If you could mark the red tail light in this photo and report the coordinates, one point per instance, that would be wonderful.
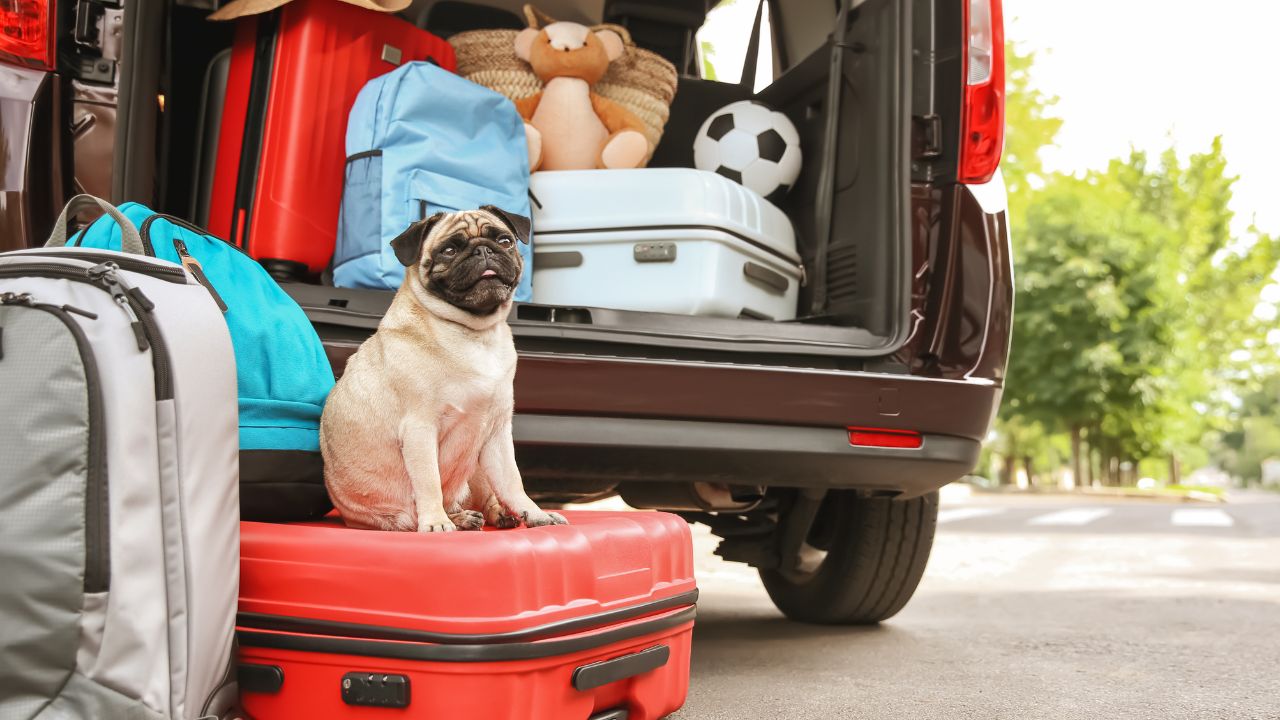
(884, 438)
(26, 32)
(982, 129)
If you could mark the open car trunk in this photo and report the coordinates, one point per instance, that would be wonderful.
(843, 76)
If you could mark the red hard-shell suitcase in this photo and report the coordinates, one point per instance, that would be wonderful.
(294, 74)
(588, 620)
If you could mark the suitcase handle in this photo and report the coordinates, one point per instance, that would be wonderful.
(130, 240)
(589, 677)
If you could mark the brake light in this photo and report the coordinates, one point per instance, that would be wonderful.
(982, 128)
(26, 32)
(884, 438)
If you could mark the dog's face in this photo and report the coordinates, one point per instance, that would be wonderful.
(469, 259)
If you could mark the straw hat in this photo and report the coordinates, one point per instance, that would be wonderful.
(240, 8)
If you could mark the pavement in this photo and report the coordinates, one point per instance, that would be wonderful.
(1031, 607)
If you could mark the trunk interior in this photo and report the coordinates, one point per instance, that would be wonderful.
(844, 77)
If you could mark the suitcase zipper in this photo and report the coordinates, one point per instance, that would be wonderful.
(136, 306)
(97, 566)
(193, 266)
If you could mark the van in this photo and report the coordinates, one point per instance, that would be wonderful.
(814, 447)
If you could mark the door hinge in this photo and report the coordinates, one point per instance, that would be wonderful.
(91, 58)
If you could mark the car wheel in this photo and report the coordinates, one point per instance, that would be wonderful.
(860, 562)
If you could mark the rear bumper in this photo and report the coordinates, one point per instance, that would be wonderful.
(552, 450)
(586, 423)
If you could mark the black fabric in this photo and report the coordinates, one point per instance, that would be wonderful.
(449, 18)
(666, 27)
(282, 486)
(748, 77)
(695, 101)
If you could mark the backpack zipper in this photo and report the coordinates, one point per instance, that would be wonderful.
(97, 565)
(159, 272)
(132, 301)
(104, 275)
(145, 232)
(193, 266)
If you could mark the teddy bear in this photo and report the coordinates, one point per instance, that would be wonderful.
(568, 126)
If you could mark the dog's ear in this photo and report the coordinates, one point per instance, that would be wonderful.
(518, 224)
(408, 244)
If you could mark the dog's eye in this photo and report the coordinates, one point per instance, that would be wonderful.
(505, 240)
(449, 251)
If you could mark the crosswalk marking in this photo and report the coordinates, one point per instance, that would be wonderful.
(1201, 517)
(947, 515)
(1076, 516)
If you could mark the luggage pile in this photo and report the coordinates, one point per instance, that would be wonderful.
(165, 532)
(121, 350)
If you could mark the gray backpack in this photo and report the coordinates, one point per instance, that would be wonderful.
(119, 522)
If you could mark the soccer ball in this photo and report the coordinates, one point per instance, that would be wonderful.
(751, 144)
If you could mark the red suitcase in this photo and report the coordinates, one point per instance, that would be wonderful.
(588, 620)
(281, 147)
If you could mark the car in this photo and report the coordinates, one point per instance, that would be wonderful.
(815, 448)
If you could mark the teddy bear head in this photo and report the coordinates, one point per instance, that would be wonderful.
(567, 49)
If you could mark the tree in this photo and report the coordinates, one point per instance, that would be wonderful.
(1132, 294)
(1029, 126)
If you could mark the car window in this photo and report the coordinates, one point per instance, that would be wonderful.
(723, 39)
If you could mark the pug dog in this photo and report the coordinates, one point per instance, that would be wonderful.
(416, 434)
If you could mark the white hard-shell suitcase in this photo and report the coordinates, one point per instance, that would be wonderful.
(670, 240)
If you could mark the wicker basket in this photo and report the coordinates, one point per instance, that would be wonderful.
(639, 81)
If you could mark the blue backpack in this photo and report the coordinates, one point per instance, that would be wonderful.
(283, 375)
(421, 140)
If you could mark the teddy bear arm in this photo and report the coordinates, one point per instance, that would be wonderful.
(527, 106)
(615, 117)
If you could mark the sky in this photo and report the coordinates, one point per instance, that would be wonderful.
(1141, 73)
(1147, 73)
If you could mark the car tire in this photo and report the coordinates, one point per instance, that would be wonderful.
(861, 561)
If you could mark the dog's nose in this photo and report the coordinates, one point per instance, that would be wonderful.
(483, 251)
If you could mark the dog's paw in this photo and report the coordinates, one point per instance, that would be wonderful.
(467, 519)
(541, 519)
(506, 521)
(446, 526)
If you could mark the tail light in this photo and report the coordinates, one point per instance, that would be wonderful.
(884, 438)
(982, 129)
(26, 32)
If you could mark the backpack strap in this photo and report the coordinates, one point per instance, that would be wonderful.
(130, 240)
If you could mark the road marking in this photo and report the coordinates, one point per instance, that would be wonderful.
(1077, 516)
(947, 515)
(1201, 517)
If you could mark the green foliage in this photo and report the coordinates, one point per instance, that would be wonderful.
(1132, 293)
(1029, 126)
(708, 60)
(1242, 449)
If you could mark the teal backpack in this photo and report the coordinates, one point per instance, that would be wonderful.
(283, 375)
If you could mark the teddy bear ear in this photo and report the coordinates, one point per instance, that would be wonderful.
(524, 43)
(613, 45)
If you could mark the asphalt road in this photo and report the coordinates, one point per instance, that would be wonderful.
(1030, 608)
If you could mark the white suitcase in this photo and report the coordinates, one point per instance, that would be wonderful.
(670, 240)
